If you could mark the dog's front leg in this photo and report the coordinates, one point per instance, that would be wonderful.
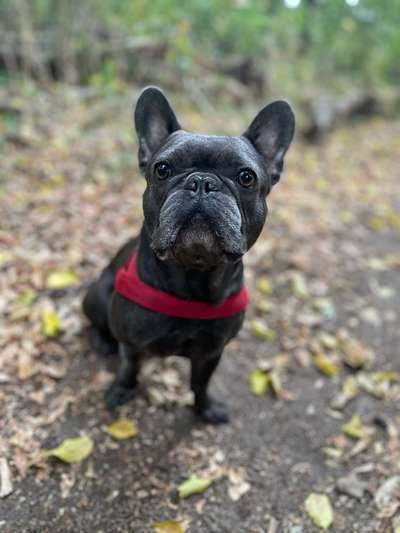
(121, 390)
(209, 410)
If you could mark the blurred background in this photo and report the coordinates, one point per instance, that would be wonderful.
(336, 58)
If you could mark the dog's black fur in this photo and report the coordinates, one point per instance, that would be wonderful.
(204, 207)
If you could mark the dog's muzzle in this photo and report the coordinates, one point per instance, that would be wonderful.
(200, 224)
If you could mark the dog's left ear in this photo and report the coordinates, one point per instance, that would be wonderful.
(154, 122)
(271, 133)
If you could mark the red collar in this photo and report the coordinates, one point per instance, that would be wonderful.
(129, 284)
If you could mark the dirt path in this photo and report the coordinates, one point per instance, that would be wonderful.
(326, 270)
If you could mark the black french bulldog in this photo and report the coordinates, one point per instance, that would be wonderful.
(204, 207)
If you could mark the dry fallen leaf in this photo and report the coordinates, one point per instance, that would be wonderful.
(27, 367)
(72, 450)
(259, 381)
(276, 386)
(382, 291)
(51, 323)
(27, 297)
(387, 497)
(332, 453)
(169, 526)
(348, 392)
(350, 387)
(264, 306)
(122, 429)
(354, 427)
(61, 279)
(319, 509)
(6, 487)
(238, 485)
(377, 383)
(355, 354)
(385, 375)
(325, 364)
(299, 286)
(264, 285)
(261, 331)
(194, 485)
(5, 257)
(328, 341)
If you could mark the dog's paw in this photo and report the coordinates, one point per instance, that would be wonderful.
(214, 412)
(117, 395)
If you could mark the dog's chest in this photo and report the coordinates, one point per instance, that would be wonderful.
(186, 346)
(161, 335)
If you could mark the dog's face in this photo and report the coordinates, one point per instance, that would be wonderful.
(205, 201)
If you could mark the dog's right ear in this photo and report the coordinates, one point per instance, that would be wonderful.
(154, 122)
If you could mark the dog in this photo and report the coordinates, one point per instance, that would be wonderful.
(177, 288)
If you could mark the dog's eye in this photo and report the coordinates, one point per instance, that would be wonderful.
(246, 178)
(162, 170)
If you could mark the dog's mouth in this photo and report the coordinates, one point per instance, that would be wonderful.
(197, 246)
(197, 235)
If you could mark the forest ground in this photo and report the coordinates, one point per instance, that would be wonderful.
(324, 279)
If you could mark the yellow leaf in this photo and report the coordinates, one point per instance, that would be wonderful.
(377, 223)
(265, 286)
(350, 387)
(321, 183)
(122, 429)
(319, 509)
(355, 354)
(354, 427)
(51, 323)
(168, 526)
(261, 331)
(193, 485)
(264, 306)
(61, 279)
(385, 375)
(276, 385)
(299, 286)
(325, 364)
(328, 341)
(259, 381)
(72, 450)
(333, 453)
(5, 257)
(346, 217)
(378, 389)
(27, 297)
(348, 392)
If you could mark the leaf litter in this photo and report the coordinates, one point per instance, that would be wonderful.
(73, 450)
(304, 301)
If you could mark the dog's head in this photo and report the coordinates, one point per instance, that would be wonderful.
(205, 201)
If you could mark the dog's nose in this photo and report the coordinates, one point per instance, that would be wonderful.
(201, 183)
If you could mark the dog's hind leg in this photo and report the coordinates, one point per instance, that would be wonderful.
(95, 307)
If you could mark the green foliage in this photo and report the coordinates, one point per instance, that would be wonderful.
(91, 41)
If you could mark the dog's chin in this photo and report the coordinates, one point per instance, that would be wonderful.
(197, 247)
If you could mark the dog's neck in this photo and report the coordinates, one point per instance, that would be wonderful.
(212, 286)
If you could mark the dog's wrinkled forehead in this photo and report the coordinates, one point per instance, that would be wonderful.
(263, 144)
(208, 152)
